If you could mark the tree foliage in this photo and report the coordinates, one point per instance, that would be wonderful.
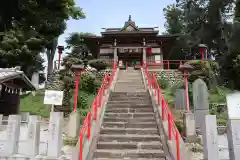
(215, 23)
(30, 27)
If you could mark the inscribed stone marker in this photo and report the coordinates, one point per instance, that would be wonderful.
(180, 99)
(55, 134)
(200, 102)
(233, 131)
(210, 138)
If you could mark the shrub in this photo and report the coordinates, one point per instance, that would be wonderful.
(179, 125)
(163, 83)
(206, 70)
(88, 82)
(82, 101)
(98, 64)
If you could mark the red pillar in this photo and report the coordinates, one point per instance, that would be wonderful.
(77, 74)
(60, 49)
(186, 90)
(59, 58)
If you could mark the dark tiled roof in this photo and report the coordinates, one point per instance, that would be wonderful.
(134, 29)
(7, 74)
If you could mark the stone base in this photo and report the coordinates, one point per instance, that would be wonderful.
(73, 124)
(189, 125)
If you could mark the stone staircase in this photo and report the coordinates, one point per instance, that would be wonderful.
(129, 129)
(130, 80)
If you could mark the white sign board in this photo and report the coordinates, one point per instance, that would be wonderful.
(233, 104)
(53, 97)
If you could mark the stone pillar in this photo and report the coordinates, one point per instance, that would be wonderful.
(24, 117)
(1, 116)
(74, 124)
(210, 138)
(189, 125)
(144, 55)
(200, 101)
(33, 136)
(35, 80)
(233, 135)
(55, 134)
(144, 51)
(10, 147)
(115, 55)
(115, 51)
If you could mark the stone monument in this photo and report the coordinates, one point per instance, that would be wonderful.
(200, 102)
(233, 130)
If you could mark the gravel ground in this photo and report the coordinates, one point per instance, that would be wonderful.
(198, 149)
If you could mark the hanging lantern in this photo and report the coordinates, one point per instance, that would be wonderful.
(149, 51)
(202, 50)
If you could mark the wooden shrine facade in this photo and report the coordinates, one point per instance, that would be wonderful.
(12, 83)
(130, 44)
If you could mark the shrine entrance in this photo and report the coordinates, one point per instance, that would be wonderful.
(130, 59)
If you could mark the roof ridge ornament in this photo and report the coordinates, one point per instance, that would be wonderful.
(130, 18)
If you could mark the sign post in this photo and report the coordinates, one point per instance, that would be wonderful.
(233, 130)
(53, 97)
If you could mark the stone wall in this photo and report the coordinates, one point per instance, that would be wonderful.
(172, 76)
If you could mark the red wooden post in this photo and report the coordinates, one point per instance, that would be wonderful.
(177, 146)
(60, 49)
(168, 63)
(95, 109)
(89, 125)
(186, 91)
(76, 91)
(81, 147)
(163, 109)
(169, 127)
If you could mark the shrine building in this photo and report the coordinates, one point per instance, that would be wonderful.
(131, 44)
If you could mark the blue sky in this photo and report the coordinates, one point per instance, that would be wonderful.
(113, 13)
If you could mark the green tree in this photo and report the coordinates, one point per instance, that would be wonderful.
(40, 21)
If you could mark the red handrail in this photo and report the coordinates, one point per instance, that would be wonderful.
(96, 105)
(172, 129)
(165, 64)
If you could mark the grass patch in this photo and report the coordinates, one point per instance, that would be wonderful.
(34, 104)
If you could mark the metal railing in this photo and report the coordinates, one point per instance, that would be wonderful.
(166, 64)
(96, 107)
(173, 133)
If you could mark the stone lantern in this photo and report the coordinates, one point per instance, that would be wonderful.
(77, 69)
(202, 50)
(186, 69)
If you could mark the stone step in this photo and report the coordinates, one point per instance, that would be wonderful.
(129, 94)
(129, 115)
(129, 138)
(128, 110)
(129, 86)
(133, 101)
(100, 153)
(124, 89)
(123, 98)
(130, 83)
(143, 102)
(132, 106)
(120, 119)
(129, 145)
(129, 159)
(129, 125)
(123, 131)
